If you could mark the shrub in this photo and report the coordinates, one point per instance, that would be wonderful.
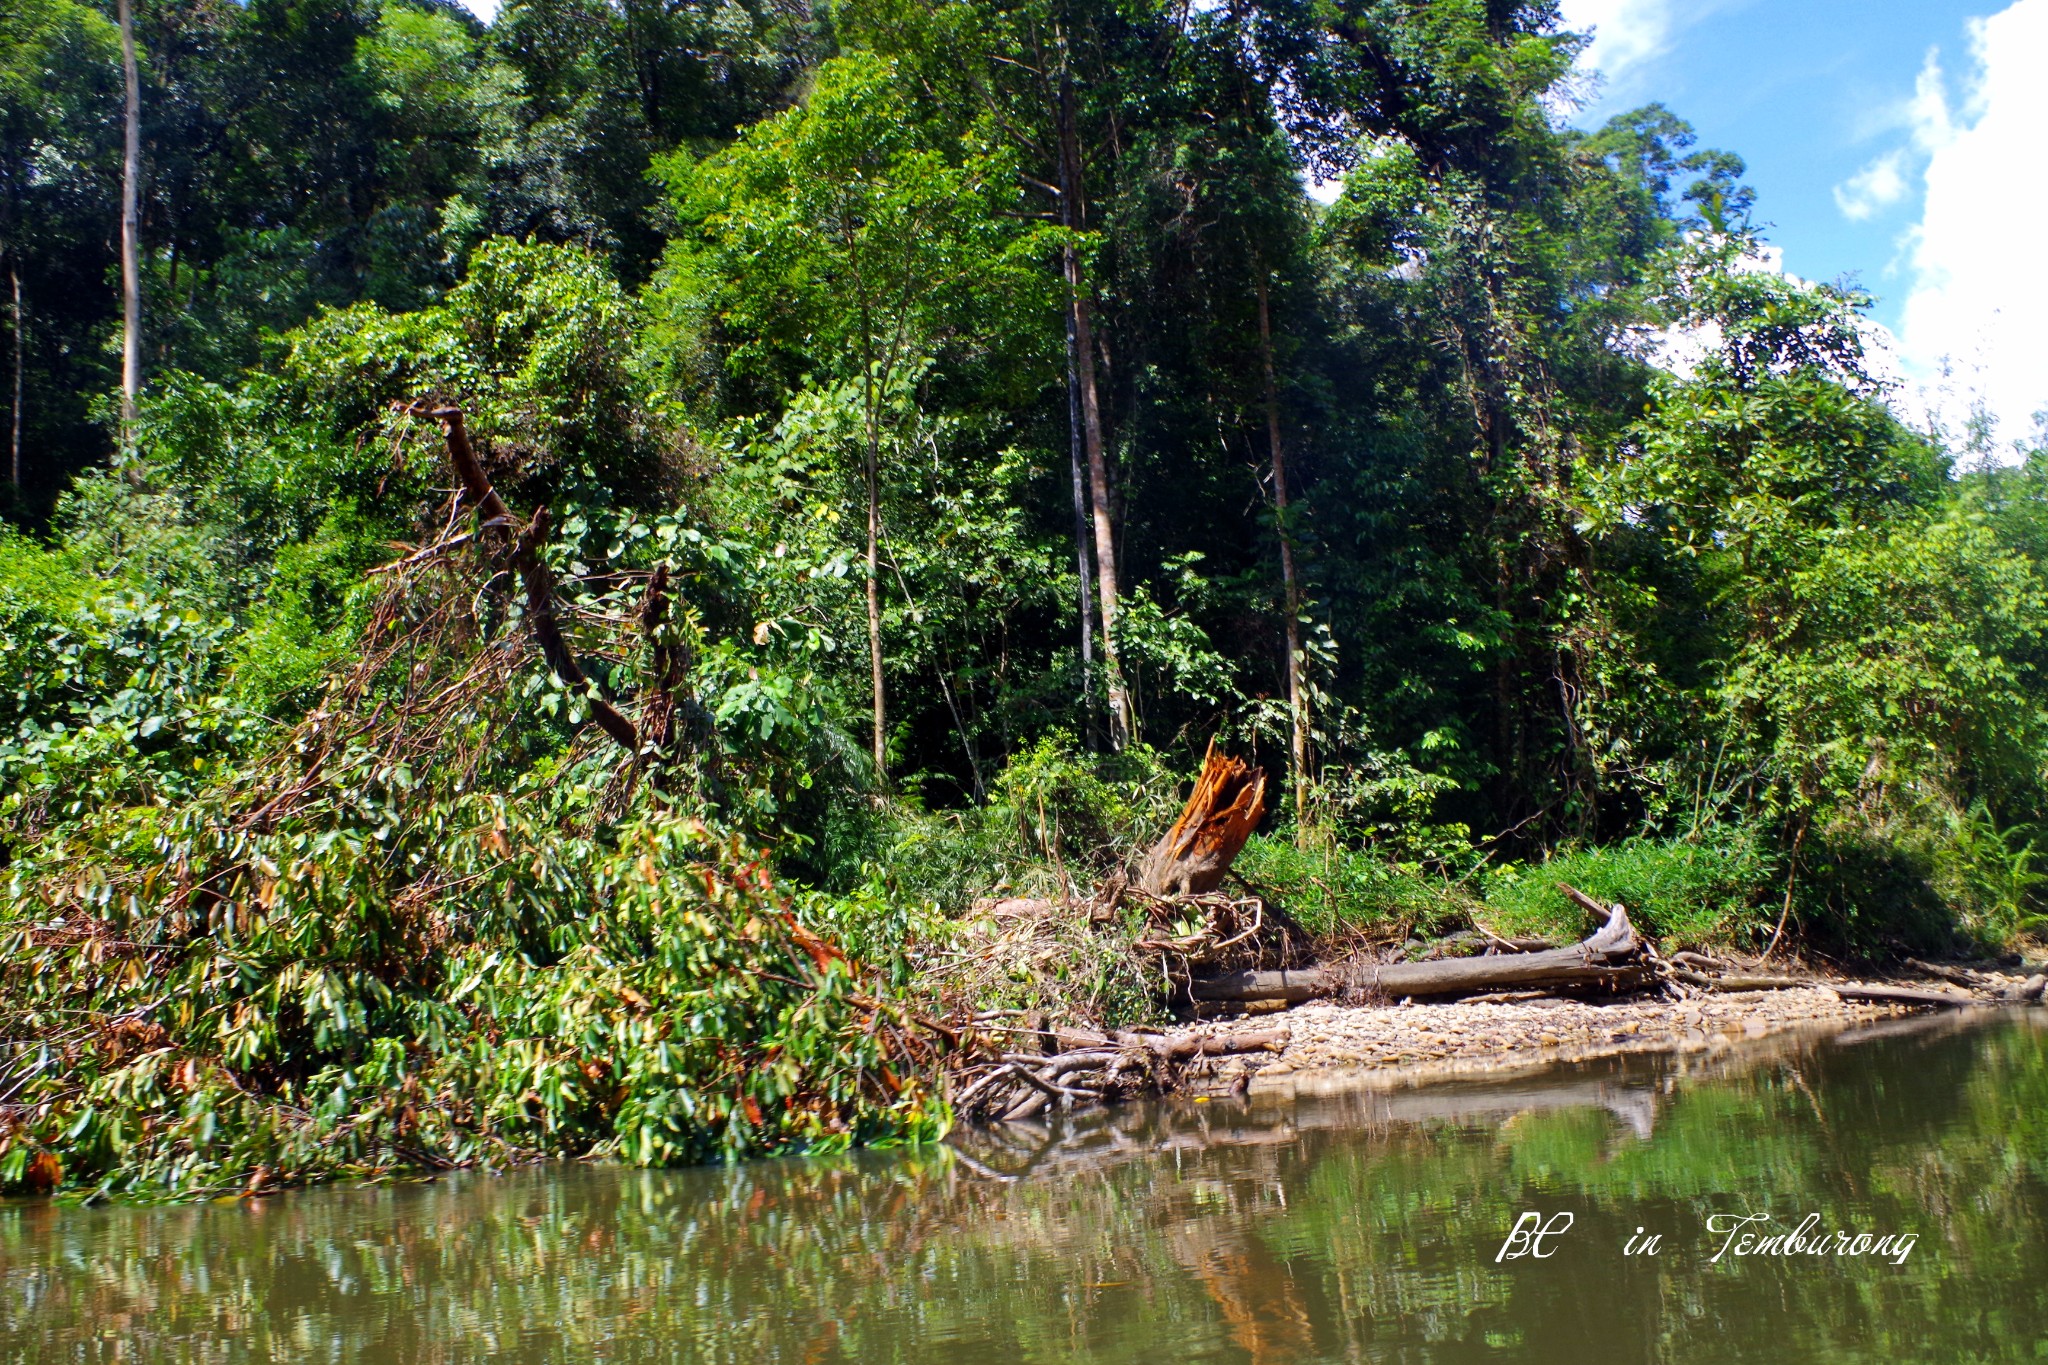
(1687, 892)
(216, 1008)
(1085, 810)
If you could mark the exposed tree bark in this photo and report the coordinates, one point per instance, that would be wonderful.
(1297, 699)
(1074, 215)
(874, 594)
(1610, 959)
(496, 522)
(1221, 813)
(131, 264)
(14, 440)
(1086, 577)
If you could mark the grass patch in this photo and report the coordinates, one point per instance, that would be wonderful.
(1335, 892)
(1686, 892)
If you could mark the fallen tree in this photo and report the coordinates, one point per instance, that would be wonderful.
(1190, 924)
(1611, 959)
(1901, 995)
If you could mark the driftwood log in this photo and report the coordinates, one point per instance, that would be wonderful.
(1222, 812)
(1732, 984)
(1611, 959)
(1901, 995)
(1090, 1067)
(1727, 982)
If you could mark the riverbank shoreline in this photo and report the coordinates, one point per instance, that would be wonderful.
(1672, 1008)
(1479, 1038)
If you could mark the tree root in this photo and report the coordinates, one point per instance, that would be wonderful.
(1093, 1068)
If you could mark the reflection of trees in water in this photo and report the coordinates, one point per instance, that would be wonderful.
(1350, 1225)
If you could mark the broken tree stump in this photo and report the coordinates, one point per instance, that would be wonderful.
(1221, 813)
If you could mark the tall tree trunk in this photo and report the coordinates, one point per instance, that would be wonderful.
(1086, 577)
(871, 396)
(1091, 418)
(131, 266)
(1290, 585)
(14, 442)
(875, 599)
(1120, 719)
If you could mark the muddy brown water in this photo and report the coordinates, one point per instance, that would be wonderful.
(1332, 1223)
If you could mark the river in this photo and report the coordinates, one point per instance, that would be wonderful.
(1322, 1223)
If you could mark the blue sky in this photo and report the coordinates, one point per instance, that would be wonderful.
(1808, 92)
(1896, 141)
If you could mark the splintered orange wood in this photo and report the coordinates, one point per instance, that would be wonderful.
(1228, 799)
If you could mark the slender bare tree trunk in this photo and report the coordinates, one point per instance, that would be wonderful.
(871, 397)
(1091, 421)
(131, 266)
(1098, 489)
(14, 442)
(1290, 586)
(1086, 577)
(875, 599)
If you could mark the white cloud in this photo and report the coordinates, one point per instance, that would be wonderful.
(1926, 114)
(1876, 187)
(1325, 192)
(1680, 349)
(1626, 33)
(1628, 38)
(486, 10)
(1972, 326)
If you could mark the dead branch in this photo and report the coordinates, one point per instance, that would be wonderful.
(1736, 984)
(1961, 976)
(439, 547)
(496, 522)
(1095, 1067)
(1586, 901)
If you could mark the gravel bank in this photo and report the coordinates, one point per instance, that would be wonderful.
(1476, 1036)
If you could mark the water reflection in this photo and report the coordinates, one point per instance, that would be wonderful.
(1309, 1226)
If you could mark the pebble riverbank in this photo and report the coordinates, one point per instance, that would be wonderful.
(1476, 1035)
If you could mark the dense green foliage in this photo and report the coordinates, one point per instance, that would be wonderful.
(820, 337)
